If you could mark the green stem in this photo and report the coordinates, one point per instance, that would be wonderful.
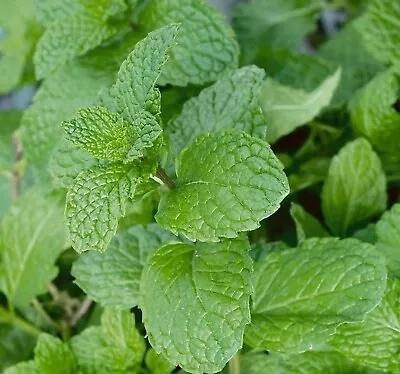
(234, 364)
(18, 322)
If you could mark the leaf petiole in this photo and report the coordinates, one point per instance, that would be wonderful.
(11, 318)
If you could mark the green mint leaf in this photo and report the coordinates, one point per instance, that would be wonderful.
(286, 108)
(135, 88)
(388, 235)
(96, 201)
(120, 267)
(355, 188)
(261, 250)
(74, 35)
(53, 356)
(379, 27)
(206, 328)
(15, 346)
(277, 22)
(18, 36)
(27, 367)
(33, 232)
(306, 225)
(106, 135)
(68, 89)
(232, 102)
(346, 49)
(375, 341)
(205, 47)
(119, 328)
(157, 364)
(372, 112)
(66, 162)
(227, 183)
(335, 281)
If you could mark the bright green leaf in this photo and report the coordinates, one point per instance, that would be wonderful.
(157, 363)
(53, 356)
(120, 267)
(373, 115)
(375, 341)
(227, 183)
(120, 330)
(195, 302)
(33, 236)
(286, 108)
(355, 188)
(388, 233)
(108, 136)
(302, 295)
(232, 102)
(380, 27)
(205, 47)
(96, 201)
(307, 226)
(135, 88)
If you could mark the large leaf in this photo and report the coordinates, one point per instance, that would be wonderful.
(33, 236)
(286, 108)
(302, 295)
(195, 302)
(232, 102)
(227, 183)
(355, 188)
(205, 47)
(375, 341)
(120, 267)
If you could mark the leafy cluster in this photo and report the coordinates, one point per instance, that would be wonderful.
(186, 196)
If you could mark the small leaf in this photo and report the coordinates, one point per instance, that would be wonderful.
(33, 232)
(120, 267)
(96, 201)
(205, 47)
(373, 115)
(231, 103)
(355, 189)
(227, 183)
(201, 328)
(286, 108)
(53, 356)
(303, 294)
(135, 89)
(74, 35)
(157, 363)
(306, 225)
(119, 329)
(375, 341)
(388, 233)
(379, 27)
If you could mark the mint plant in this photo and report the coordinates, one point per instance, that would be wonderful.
(182, 195)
